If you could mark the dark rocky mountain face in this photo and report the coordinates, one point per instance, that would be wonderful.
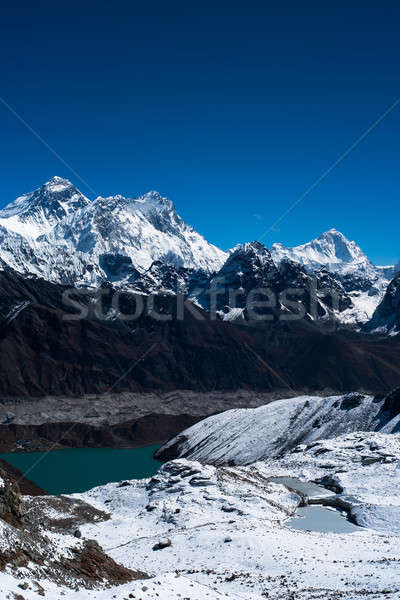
(17, 291)
(391, 405)
(250, 277)
(170, 345)
(386, 318)
(161, 277)
(117, 267)
(248, 268)
(320, 293)
(332, 290)
(358, 282)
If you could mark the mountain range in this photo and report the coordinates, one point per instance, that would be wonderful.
(142, 244)
(54, 240)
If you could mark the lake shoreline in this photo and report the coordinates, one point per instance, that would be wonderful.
(80, 469)
(61, 447)
(120, 420)
(26, 485)
(148, 430)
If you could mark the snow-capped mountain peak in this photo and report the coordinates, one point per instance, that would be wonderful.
(55, 232)
(365, 282)
(159, 210)
(249, 266)
(154, 198)
(331, 249)
(36, 213)
(249, 256)
(138, 231)
(57, 184)
(340, 248)
(256, 248)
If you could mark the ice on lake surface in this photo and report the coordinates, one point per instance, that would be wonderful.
(312, 490)
(315, 518)
(321, 519)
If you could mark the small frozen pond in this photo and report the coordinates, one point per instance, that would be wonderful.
(313, 517)
(312, 490)
(322, 519)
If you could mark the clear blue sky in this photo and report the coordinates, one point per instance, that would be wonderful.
(230, 109)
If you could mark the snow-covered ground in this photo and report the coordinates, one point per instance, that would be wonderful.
(363, 468)
(204, 532)
(363, 305)
(165, 587)
(245, 435)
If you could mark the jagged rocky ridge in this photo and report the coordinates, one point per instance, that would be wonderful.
(250, 276)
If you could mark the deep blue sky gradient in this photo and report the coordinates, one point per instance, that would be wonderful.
(230, 109)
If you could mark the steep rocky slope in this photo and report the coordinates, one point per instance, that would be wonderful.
(386, 318)
(43, 351)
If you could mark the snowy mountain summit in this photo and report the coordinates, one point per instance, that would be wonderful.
(144, 229)
(57, 233)
(365, 282)
(331, 249)
(37, 212)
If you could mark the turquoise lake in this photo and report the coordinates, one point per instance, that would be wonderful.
(79, 469)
